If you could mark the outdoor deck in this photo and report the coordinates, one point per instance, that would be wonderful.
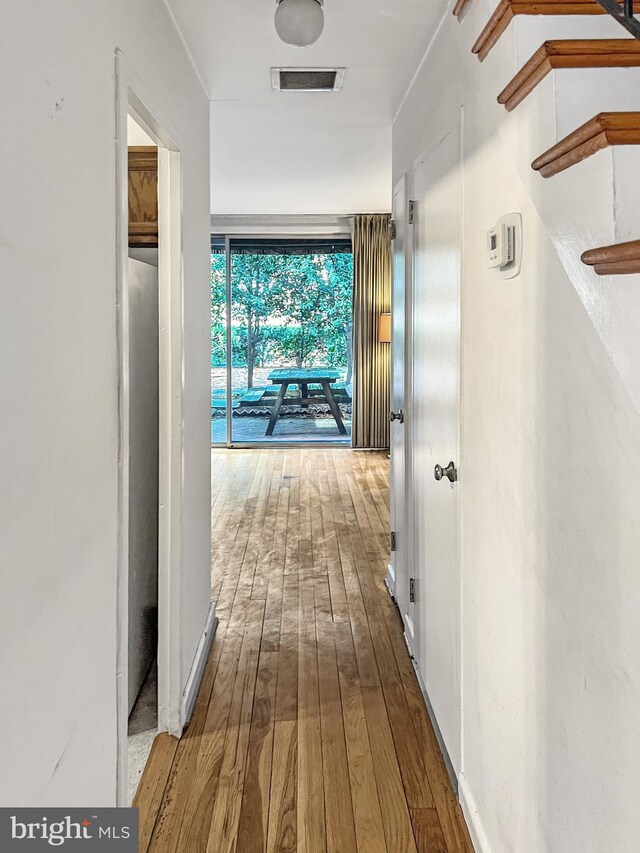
(306, 415)
(292, 428)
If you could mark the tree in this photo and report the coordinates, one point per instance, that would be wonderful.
(291, 307)
(321, 302)
(255, 280)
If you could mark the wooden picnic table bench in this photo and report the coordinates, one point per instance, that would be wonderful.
(305, 376)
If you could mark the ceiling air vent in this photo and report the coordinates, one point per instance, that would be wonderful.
(307, 79)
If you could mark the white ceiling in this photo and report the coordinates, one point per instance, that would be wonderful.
(283, 152)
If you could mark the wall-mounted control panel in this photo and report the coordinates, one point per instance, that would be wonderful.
(504, 245)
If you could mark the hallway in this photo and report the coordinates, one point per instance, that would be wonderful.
(310, 732)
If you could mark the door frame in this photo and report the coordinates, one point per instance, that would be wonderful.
(408, 392)
(411, 243)
(397, 574)
(133, 98)
(230, 444)
(407, 570)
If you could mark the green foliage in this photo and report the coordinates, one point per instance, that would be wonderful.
(219, 346)
(286, 309)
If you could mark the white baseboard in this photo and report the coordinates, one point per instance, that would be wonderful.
(434, 722)
(197, 667)
(472, 817)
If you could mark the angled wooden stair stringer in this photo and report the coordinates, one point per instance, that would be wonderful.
(507, 10)
(600, 132)
(569, 53)
(619, 259)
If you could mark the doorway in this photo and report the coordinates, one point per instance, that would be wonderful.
(435, 407)
(281, 340)
(143, 450)
(150, 355)
(424, 572)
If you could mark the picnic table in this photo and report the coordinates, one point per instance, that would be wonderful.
(323, 376)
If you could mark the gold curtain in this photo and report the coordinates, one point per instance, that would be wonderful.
(371, 359)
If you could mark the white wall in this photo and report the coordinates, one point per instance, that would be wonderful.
(550, 467)
(282, 225)
(306, 155)
(58, 415)
(136, 135)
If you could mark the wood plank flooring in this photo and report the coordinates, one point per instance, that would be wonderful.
(309, 733)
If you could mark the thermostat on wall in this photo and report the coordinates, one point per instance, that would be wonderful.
(504, 245)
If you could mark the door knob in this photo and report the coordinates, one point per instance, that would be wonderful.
(450, 472)
(397, 416)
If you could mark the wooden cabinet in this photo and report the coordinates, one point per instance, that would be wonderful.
(143, 196)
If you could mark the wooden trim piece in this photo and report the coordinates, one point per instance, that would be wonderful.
(460, 7)
(143, 157)
(143, 235)
(619, 259)
(619, 268)
(497, 24)
(539, 59)
(600, 132)
(629, 251)
(141, 229)
(145, 241)
(569, 53)
(508, 9)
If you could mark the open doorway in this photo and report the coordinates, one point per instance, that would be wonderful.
(149, 298)
(281, 340)
(144, 461)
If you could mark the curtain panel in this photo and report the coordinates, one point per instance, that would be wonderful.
(372, 359)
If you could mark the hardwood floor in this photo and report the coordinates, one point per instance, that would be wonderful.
(310, 732)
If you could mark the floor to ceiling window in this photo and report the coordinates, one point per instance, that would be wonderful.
(281, 340)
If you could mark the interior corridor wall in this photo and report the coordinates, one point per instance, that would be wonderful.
(549, 472)
(58, 381)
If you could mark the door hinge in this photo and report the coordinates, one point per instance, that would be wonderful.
(393, 540)
(412, 213)
(393, 231)
(412, 590)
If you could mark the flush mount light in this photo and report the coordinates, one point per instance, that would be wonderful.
(299, 22)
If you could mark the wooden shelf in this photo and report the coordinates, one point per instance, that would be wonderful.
(619, 259)
(508, 9)
(571, 53)
(599, 132)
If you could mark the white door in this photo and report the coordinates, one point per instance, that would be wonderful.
(435, 417)
(397, 577)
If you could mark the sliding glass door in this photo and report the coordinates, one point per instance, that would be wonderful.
(281, 330)
(219, 354)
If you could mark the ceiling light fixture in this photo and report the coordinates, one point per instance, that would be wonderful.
(299, 22)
